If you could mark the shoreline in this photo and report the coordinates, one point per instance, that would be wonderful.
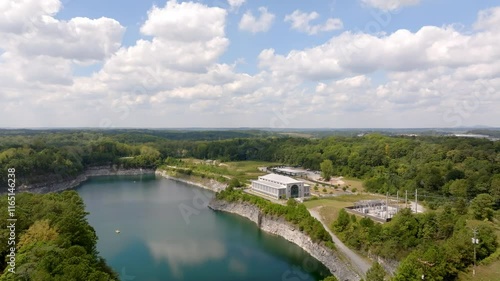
(278, 226)
(208, 184)
(75, 182)
(99, 171)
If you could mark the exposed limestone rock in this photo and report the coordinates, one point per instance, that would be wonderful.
(209, 184)
(390, 266)
(279, 226)
(72, 183)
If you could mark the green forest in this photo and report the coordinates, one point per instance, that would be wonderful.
(458, 168)
(54, 242)
(458, 179)
(436, 244)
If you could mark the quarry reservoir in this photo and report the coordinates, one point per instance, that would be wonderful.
(167, 232)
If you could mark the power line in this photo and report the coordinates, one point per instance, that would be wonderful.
(475, 241)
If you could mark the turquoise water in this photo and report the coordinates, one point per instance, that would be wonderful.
(168, 233)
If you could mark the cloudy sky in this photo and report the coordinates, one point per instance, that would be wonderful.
(249, 63)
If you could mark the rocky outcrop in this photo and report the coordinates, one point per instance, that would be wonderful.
(205, 183)
(61, 185)
(280, 227)
(389, 265)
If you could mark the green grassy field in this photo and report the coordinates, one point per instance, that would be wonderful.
(248, 170)
(489, 272)
(354, 183)
(332, 205)
(242, 170)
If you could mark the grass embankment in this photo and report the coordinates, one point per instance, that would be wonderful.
(490, 272)
(292, 212)
(354, 184)
(248, 170)
(332, 205)
(489, 268)
(337, 186)
(243, 171)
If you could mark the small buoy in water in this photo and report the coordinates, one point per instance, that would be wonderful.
(117, 231)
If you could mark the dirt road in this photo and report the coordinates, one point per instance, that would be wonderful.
(359, 263)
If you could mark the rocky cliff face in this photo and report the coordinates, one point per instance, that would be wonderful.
(72, 183)
(209, 184)
(390, 266)
(279, 226)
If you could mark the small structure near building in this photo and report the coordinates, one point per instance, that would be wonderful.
(289, 171)
(279, 186)
(378, 210)
(211, 162)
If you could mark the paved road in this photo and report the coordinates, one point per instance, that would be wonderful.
(360, 263)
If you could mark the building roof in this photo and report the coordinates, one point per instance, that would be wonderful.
(270, 184)
(290, 171)
(279, 178)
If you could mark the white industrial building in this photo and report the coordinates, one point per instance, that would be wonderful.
(289, 171)
(278, 186)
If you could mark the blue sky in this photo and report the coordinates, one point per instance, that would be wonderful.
(254, 63)
(354, 15)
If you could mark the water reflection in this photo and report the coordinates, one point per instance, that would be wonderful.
(156, 244)
(237, 266)
(182, 253)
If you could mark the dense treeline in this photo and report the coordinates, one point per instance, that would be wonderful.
(449, 166)
(293, 212)
(458, 167)
(466, 170)
(49, 159)
(444, 165)
(139, 134)
(54, 240)
(436, 243)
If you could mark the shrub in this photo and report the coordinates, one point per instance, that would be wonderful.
(234, 182)
(293, 212)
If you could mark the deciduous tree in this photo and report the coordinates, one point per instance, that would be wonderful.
(326, 169)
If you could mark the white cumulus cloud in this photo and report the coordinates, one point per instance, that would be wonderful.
(431, 76)
(253, 24)
(235, 4)
(301, 21)
(185, 22)
(29, 28)
(40, 51)
(390, 5)
(488, 19)
(400, 51)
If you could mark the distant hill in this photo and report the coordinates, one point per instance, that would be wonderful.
(151, 134)
(495, 132)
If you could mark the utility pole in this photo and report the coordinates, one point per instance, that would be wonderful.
(397, 201)
(416, 201)
(475, 241)
(386, 206)
(406, 198)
